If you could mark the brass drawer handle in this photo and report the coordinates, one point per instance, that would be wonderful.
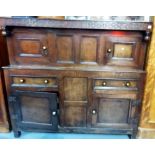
(46, 81)
(127, 84)
(104, 83)
(21, 80)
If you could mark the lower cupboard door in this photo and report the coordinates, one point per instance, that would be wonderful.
(35, 110)
(111, 113)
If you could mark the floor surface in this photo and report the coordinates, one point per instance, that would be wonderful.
(31, 135)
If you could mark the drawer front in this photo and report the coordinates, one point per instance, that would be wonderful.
(22, 81)
(112, 83)
(118, 88)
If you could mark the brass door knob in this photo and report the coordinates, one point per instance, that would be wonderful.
(44, 48)
(54, 113)
(44, 51)
(127, 84)
(94, 112)
(4, 33)
(104, 83)
(109, 50)
(21, 80)
(46, 81)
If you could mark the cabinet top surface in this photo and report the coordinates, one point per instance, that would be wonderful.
(75, 24)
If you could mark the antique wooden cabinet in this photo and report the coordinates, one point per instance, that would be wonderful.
(75, 76)
(4, 125)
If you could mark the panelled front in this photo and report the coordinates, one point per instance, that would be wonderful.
(34, 110)
(29, 46)
(125, 49)
(73, 47)
(84, 101)
(75, 101)
(115, 102)
(96, 74)
(113, 113)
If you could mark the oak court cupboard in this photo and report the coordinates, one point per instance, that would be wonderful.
(75, 76)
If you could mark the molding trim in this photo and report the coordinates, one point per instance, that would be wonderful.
(145, 133)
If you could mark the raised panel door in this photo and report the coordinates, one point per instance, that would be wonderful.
(125, 49)
(29, 46)
(34, 110)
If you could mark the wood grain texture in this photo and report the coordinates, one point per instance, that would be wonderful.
(4, 124)
(76, 53)
(146, 133)
(88, 51)
(123, 51)
(148, 109)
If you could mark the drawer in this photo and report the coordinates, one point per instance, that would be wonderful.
(115, 84)
(118, 88)
(22, 81)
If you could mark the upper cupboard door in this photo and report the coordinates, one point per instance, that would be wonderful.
(125, 49)
(29, 46)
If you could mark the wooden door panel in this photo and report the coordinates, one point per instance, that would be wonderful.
(29, 47)
(75, 116)
(110, 112)
(36, 110)
(65, 51)
(75, 89)
(125, 50)
(75, 101)
(88, 50)
(113, 111)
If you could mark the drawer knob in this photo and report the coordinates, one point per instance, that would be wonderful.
(46, 81)
(109, 50)
(94, 112)
(21, 80)
(127, 84)
(104, 83)
(54, 113)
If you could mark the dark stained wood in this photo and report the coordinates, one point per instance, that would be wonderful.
(94, 68)
(76, 47)
(34, 110)
(111, 25)
(65, 49)
(110, 112)
(4, 124)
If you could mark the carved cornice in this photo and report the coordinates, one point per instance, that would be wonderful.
(75, 24)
